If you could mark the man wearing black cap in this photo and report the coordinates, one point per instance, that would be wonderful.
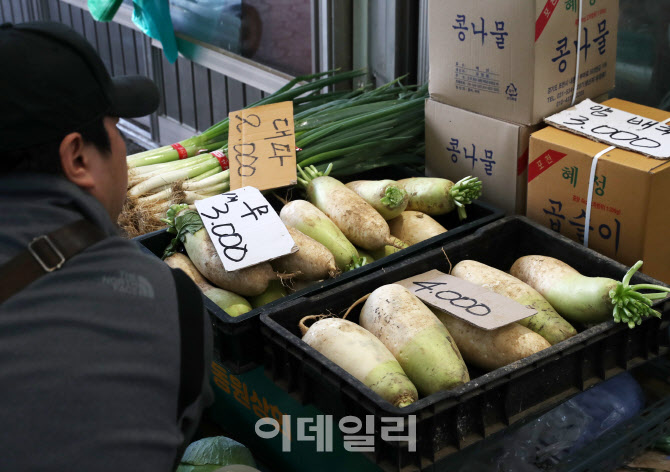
(104, 351)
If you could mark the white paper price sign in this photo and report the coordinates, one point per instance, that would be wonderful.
(618, 128)
(465, 300)
(244, 228)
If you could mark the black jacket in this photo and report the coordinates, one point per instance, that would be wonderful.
(90, 356)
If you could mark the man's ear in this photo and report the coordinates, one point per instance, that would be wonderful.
(75, 161)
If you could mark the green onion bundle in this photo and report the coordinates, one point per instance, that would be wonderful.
(355, 130)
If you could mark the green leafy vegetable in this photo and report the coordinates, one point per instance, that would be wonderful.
(187, 222)
(171, 214)
(217, 450)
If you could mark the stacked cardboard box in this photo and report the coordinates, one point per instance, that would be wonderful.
(496, 70)
(631, 192)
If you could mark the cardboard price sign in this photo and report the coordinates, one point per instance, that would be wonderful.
(616, 127)
(467, 301)
(261, 147)
(244, 228)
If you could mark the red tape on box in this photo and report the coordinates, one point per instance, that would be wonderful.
(544, 162)
(542, 21)
(522, 163)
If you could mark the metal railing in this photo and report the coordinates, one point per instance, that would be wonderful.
(206, 83)
(198, 90)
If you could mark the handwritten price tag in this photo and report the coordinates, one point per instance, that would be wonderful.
(261, 147)
(472, 303)
(244, 228)
(618, 128)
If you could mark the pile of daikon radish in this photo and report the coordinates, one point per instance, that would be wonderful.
(402, 348)
(337, 228)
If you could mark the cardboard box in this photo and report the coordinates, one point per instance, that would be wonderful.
(631, 198)
(516, 59)
(461, 143)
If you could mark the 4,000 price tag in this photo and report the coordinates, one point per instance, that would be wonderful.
(244, 228)
(472, 303)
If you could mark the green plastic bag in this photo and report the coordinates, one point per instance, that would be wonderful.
(103, 10)
(153, 18)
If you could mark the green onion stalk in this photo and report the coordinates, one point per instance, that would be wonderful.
(211, 138)
(363, 131)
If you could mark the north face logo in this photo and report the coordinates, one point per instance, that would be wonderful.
(129, 284)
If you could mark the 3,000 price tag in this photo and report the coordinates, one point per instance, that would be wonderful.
(472, 303)
(616, 127)
(244, 228)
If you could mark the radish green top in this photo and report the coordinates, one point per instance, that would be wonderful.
(588, 299)
(464, 192)
(393, 197)
(180, 224)
(438, 196)
(630, 306)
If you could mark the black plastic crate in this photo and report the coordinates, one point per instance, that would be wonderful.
(237, 341)
(451, 420)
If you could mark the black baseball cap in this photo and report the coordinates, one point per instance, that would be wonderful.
(53, 82)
